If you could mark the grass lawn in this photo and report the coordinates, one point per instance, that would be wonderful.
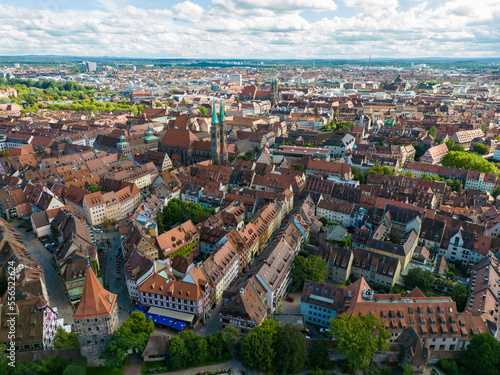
(105, 371)
(152, 364)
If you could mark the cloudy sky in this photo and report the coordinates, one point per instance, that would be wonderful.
(251, 28)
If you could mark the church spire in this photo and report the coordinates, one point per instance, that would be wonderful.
(214, 115)
(222, 118)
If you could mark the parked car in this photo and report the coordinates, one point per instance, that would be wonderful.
(56, 310)
(324, 331)
(29, 230)
(290, 299)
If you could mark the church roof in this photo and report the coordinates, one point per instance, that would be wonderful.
(95, 301)
(222, 118)
(214, 115)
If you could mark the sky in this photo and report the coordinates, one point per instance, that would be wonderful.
(251, 29)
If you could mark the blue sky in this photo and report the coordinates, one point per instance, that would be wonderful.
(251, 28)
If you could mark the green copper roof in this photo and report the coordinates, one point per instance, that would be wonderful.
(122, 140)
(222, 118)
(214, 115)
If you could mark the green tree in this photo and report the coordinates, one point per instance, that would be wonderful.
(93, 188)
(299, 167)
(432, 132)
(133, 334)
(452, 146)
(4, 154)
(310, 268)
(378, 169)
(459, 294)
(496, 192)
(78, 366)
(319, 357)
(481, 149)
(482, 355)
(177, 354)
(229, 337)
(470, 161)
(358, 174)
(345, 125)
(416, 277)
(258, 346)
(291, 353)
(419, 150)
(65, 340)
(203, 110)
(359, 337)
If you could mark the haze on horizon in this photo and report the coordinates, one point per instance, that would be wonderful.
(242, 29)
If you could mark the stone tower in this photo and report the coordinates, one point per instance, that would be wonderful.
(214, 136)
(223, 135)
(96, 318)
(151, 140)
(123, 147)
(274, 92)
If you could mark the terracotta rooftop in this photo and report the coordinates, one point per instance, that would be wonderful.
(95, 301)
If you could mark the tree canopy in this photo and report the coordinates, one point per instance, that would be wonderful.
(189, 350)
(262, 350)
(482, 355)
(416, 277)
(432, 132)
(178, 211)
(378, 169)
(203, 110)
(481, 149)
(452, 146)
(459, 294)
(258, 346)
(65, 340)
(359, 337)
(133, 334)
(310, 268)
(470, 161)
(291, 353)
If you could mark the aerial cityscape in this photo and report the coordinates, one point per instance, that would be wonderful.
(250, 187)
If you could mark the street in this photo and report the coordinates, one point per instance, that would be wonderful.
(109, 271)
(55, 288)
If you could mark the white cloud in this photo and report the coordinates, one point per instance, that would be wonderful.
(188, 11)
(277, 5)
(256, 29)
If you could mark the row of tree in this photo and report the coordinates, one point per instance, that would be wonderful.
(189, 350)
(469, 161)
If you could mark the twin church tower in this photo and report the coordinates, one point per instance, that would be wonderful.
(218, 133)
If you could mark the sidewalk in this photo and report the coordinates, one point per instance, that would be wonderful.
(233, 363)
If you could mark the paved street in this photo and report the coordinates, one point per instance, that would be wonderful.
(114, 285)
(53, 282)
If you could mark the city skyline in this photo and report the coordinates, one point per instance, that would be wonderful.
(242, 29)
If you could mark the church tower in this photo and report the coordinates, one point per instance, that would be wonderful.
(223, 135)
(274, 92)
(151, 140)
(96, 318)
(214, 136)
(123, 147)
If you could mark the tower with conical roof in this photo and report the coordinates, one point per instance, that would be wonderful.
(96, 318)
(223, 135)
(214, 136)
